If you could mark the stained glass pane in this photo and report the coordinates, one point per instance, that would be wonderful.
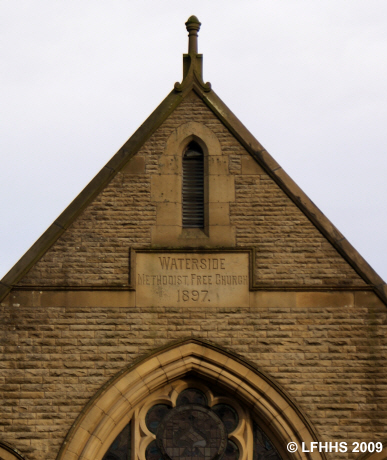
(192, 432)
(155, 415)
(152, 452)
(232, 451)
(263, 448)
(228, 415)
(120, 447)
(191, 396)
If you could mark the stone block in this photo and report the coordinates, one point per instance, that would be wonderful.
(222, 236)
(325, 299)
(250, 166)
(76, 446)
(166, 235)
(88, 298)
(172, 355)
(217, 165)
(136, 165)
(221, 189)
(170, 164)
(92, 447)
(272, 299)
(166, 188)
(368, 299)
(5, 455)
(169, 214)
(218, 214)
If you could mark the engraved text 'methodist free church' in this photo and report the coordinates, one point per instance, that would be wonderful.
(189, 279)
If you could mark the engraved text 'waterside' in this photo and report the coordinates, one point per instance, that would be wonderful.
(186, 279)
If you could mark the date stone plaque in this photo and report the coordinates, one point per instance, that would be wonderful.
(213, 279)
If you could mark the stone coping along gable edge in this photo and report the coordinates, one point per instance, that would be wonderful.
(130, 148)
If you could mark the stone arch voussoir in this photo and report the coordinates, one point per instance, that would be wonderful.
(9, 453)
(112, 407)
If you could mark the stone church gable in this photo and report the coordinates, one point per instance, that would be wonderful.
(263, 309)
(94, 250)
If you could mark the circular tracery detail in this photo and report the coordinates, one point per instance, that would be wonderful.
(155, 415)
(228, 415)
(191, 396)
(192, 430)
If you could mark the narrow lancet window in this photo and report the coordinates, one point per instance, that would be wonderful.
(193, 187)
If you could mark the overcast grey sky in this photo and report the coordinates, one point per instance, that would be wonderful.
(307, 78)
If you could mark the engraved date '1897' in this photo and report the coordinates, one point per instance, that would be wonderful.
(194, 295)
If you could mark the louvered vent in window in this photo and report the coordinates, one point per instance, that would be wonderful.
(193, 187)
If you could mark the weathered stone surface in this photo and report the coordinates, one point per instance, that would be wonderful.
(331, 360)
(60, 346)
(250, 209)
(205, 279)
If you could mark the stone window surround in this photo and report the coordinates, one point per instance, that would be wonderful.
(141, 437)
(219, 191)
(116, 403)
(9, 453)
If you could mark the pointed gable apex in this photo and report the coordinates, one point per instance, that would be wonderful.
(193, 82)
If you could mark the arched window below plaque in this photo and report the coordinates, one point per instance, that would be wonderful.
(190, 420)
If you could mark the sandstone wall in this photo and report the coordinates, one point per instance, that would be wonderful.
(94, 250)
(331, 360)
(58, 346)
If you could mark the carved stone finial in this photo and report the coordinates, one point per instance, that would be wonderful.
(193, 27)
(192, 62)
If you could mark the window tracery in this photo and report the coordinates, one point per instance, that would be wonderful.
(188, 420)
